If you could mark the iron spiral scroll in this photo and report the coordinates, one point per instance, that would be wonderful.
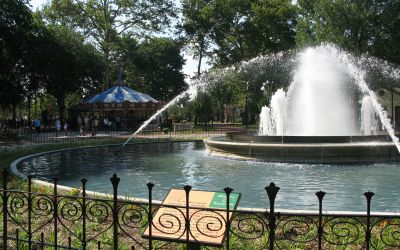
(207, 223)
(80, 221)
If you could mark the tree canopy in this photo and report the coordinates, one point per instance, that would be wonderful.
(358, 26)
(70, 49)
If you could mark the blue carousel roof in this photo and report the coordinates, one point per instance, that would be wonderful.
(120, 94)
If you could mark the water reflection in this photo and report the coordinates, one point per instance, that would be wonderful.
(172, 165)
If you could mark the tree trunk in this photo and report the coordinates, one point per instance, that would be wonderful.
(200, 56)
(106, 71)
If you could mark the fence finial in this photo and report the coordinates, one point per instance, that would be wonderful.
(150, 185)
(320, 195)
(55, 179)
(115, 180)
(228, 190)
(272, 191)
(369, 195)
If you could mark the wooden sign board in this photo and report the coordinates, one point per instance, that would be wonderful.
(206, 227)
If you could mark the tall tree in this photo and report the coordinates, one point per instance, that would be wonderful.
(222, 94)
(104, 21)
(16, 28)
(202, 108)
(153, 66)
(359, 26)
(197, 25)
(246, 28)
(66, 64)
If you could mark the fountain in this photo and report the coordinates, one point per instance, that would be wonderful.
(316, 120)
(327, 114)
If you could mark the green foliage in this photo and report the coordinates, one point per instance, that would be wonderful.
(358, 26)
(103, 22)
(153, 66)
(197, 26)
(65, 63)
(245, 29)
(16, 26)
(202, 108)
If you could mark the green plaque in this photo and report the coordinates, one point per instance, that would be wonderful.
(219, 200)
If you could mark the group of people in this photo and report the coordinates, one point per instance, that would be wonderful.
(37, 123)
(88, 124)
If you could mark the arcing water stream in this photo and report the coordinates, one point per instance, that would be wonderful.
(316, 102)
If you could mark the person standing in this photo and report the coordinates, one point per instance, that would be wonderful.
(37, 125)
(66, 129)
(79, 124)
(58, 126)
(94, 125)
(86, 119)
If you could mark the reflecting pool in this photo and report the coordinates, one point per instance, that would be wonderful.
(173, 165)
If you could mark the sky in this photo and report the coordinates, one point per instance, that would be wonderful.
(189, 69)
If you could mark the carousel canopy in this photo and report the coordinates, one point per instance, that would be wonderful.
(119, 94)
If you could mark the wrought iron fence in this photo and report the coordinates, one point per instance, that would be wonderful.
(40, 219)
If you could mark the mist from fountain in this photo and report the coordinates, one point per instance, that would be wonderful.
(369, 123)
(213, 77)
(278, 111)
(318, 102)
(300, 109)
(265, 127)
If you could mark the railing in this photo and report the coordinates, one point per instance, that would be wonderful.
(25, 137)
(52, 219)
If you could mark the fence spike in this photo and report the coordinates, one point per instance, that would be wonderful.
(5, 211)
(55, 201)
(272, 191)
(150, 214)
(228, 192)
(320, 195)
(187, 189)
(115, 181)
(84, 181)
(368, 195)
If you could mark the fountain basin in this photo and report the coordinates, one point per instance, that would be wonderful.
(303, 149)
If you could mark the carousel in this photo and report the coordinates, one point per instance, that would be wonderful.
(118, 107)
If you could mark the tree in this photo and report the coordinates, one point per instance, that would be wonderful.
(66, 64)
(202, 108)
(197, 25)
(153, 66)
(16, 25)
(222, 93)
(358, 26)
(247, 28)
(104, 21)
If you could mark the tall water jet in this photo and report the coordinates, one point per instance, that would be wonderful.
(320, 120)
(265, 127)
(369, 123)
(278, 111)
(319, 104)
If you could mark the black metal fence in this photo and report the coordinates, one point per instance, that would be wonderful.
(50, 219)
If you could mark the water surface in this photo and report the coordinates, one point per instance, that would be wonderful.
(173, 165)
